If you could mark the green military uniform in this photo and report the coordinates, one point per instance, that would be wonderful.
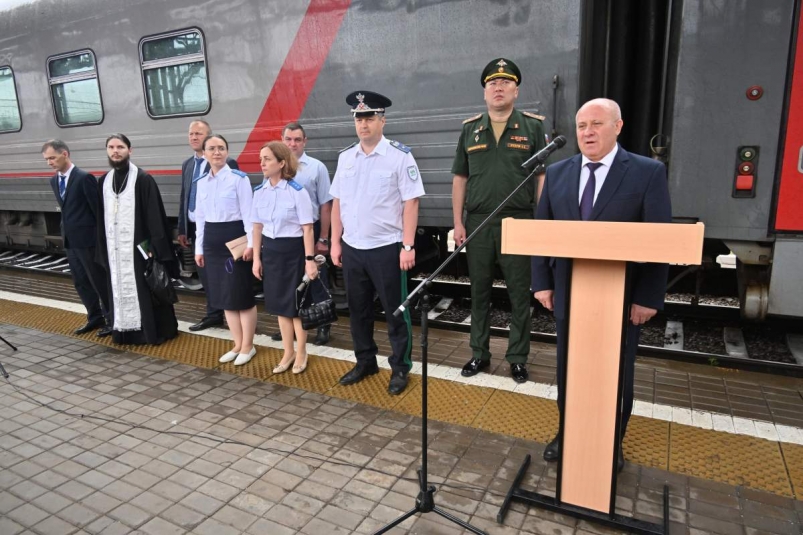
(494, 170)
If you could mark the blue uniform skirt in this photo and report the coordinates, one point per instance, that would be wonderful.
(282, 271)
(230, 283)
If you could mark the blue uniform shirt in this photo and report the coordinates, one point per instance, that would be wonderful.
(282, 209)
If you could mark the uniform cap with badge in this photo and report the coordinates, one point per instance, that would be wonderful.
(501, 68)
(364, 103)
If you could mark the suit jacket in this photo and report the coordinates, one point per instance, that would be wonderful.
(635, 190)
(79, 209)
(186, 181)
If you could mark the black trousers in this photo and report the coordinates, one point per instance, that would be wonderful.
(89, 279)
(633, 333)
(377, 270)
(317, 291)
(211, 312)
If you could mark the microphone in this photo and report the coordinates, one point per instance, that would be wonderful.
(543, 154)
(319, 260)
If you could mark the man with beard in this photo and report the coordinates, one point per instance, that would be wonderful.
(132, 223)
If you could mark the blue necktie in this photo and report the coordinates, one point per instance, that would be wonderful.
(195, 174)
(587, 200)
(62, 185)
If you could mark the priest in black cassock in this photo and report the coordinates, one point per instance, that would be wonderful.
(132, 214)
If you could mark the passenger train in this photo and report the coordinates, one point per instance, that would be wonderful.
(712, 87)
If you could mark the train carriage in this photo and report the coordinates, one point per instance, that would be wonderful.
(707, 85)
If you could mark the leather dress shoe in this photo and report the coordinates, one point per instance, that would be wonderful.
(519, 373)
(359, 372)
(552, 450)
(323, 335)
(398, 382)
(474, 366)
(206, 323)
(276, 337)
(104, 331)
(90, 326)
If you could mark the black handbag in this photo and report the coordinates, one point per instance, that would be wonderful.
(158, 280)
(316, 314)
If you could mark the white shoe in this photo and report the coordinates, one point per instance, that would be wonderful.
(228, 357)
(243, 358)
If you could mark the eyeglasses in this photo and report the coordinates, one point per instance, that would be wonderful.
(215, 149)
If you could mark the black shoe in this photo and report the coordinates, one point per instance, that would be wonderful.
(206, 323)
(323, 335)
(620, 462)
(474, 367)
(90, 326)
(277, 337)
(104, 331)
(358, 373)
(397, 384)
(519, 373)
(552, 450)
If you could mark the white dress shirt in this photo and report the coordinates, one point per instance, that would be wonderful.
(313, 175)
(66, 175)
(223, 197)
(599, 175)
(282, 209)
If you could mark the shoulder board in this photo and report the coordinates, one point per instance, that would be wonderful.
(295, 185)
(347, 148)
(401, 146)
(239, 173)
(257, 188)
(472, 119)
(534, 116)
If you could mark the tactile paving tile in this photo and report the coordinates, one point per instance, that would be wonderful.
(374, 390)
(447, 401)
(732, 459)
(793, 455)
(520, 416)
(321, 374)
(647, 442)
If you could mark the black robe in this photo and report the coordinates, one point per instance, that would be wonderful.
(150, 223)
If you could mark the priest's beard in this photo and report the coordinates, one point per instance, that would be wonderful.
(122, 164)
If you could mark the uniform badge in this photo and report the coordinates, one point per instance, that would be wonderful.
(476, 138)
(501, 63)
(412, 172)
(518, 138)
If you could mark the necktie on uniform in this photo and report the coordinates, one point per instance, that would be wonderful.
(62, 185)
(587, 200)
(193, 189)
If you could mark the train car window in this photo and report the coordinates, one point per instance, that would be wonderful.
(75, 89)
(10, 120)
(174, 74)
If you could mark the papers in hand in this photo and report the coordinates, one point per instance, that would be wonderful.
(144, 248)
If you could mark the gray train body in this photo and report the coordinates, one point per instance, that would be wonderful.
(680, 69)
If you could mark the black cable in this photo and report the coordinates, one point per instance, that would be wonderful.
(219, 440)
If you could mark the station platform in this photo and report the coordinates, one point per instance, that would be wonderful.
(314, 457)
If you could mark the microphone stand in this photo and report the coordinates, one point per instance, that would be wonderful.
(425, 501)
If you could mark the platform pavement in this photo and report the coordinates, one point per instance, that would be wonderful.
(303, 462)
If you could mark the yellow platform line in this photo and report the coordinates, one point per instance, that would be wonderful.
(707, 454)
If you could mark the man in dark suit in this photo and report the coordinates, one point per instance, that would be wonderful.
(603, 183)
(192, 170)
(77, 194)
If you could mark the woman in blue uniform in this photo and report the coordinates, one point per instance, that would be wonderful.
(222, 214)
(282, 218)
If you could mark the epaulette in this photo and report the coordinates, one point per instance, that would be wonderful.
(257, 188)
(199, 177)
(240, 173)
(534, 116)
(295, 185)
(347, 148)
(401, 146)
(472, 119)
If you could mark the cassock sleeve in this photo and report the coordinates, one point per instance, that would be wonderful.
(155, 222)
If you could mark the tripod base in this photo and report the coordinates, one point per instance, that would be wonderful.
(425, 503)
(616, 521)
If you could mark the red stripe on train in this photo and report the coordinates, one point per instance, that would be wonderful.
(297, 77)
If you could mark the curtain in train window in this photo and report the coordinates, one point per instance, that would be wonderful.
(9, 105)
(174, 74)
(75, 89)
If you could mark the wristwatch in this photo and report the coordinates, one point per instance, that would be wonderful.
(309, 257)
(408, 247)
(323, 241)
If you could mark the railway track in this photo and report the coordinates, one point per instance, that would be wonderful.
(724, 336)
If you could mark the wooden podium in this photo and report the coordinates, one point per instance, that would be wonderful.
(597, 323)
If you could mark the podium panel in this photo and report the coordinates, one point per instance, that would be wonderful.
(592, 382)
